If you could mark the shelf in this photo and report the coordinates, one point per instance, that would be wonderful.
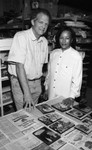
(88, 20)
(11, 26)
(6, 89)
(7, 102)
(85, 69)
(4, 78)
(5, 44)
(86, 63)
(4, 67)
(83, 49)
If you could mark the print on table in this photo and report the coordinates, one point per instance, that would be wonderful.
(76, 113)
(46, 135)
(45, 108)
(62, 125)
(50, 118)
(61, 107)
(83, 108)
(83, 128)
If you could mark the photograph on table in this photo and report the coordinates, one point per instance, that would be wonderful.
(26, 142)
(54, 116)
(46, 135)
(43, 146)
(45, 108)
(58, 144)
(90, 116)
(83, 128)
(61, 107)
(62, 125)
(68, 147)
(75, 137)
(86, 145)
(50, 118)
(45, 120)
(23, 120)
(87, 121)
(83, 108)
(76, 113)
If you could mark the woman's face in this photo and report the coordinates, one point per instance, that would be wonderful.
(65, 40)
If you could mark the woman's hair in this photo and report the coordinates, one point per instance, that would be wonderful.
(59, 32)
(38, 11)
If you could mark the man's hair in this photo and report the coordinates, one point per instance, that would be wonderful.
(38, 11)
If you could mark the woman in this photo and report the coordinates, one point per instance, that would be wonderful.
(65, 68)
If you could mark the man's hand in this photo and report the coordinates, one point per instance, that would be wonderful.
(68, 101)
(28, 103)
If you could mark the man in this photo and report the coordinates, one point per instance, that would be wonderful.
(28, 53)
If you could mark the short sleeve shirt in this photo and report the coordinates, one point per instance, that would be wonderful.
(26, 49)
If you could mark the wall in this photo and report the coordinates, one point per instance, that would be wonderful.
(7, 5)
(1, 7)
(17, 6)
(50, 5)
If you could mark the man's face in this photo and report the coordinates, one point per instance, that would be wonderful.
(40, 24)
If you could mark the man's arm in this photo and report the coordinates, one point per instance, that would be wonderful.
(28, 101)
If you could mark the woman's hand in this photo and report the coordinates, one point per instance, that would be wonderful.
(45, 95)
(68, 101)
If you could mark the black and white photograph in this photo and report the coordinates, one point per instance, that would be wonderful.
(87, 121)
(45, 74)
(50, 118)
(62, 125)
(46, 135)
(68, 147)
(58, 144)
(54, 116)
(83, 108)
(86, 145)
(43, 146)
(76, 113)
(83, 128)
(45, 120)
(61, 107)
(90, 116)
(75, 137)
(45, 108)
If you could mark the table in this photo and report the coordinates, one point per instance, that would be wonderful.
(22, 130)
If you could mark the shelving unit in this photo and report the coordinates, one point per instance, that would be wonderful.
(84, 44)
(83, 32)
(5, 90)
(8, 30)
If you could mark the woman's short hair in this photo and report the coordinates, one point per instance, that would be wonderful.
(60, 30)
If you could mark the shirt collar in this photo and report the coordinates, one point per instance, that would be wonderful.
(66, 51)
(33, 36)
